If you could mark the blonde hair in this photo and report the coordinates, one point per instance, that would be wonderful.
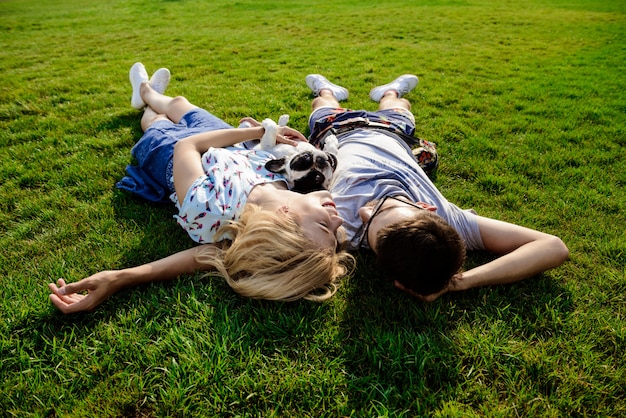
(268, 257)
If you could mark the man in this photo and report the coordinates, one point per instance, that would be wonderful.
(419, 237)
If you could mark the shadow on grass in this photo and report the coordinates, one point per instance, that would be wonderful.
(402, 353)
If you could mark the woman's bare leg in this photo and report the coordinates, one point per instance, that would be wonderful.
(149, 117)
(162, 107)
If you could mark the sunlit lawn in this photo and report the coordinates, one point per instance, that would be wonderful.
(526, 101)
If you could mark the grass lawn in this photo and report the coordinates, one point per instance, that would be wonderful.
(527, 103)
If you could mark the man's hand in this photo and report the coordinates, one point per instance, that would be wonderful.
(427, 298)
(251, 121)
(455, 284)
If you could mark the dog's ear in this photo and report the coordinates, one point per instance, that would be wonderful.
(276, 165)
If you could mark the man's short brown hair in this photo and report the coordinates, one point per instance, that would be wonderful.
(422, 253)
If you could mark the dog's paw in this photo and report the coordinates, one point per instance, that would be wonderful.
(331, 144)
(283, 120)
(268, 140)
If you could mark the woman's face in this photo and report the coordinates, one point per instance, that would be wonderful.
(317, 215)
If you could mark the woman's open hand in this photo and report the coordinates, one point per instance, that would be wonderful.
(287, 135)
(71, 297)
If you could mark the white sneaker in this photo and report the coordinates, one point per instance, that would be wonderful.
(403, 84)
(137, 76)
(160, 79)
(318, 82)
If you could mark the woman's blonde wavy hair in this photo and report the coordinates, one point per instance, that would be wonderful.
(267, 256)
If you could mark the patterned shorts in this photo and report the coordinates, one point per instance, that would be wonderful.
(398, 121)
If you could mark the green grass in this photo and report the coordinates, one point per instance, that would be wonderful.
(526, 101)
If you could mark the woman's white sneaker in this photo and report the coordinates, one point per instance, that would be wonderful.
(160, 79)
(137, 76)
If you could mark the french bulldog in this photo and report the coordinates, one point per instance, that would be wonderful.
(305, 167)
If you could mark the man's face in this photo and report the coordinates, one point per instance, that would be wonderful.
(380, 213)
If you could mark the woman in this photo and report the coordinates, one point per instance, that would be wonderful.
(265, 240)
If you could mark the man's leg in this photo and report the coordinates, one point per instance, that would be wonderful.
(324, 99)
(390, 95)
(390, 100)
(328, 94)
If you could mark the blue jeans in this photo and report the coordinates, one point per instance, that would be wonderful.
(151, 176)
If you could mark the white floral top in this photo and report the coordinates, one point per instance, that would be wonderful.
(220, 195)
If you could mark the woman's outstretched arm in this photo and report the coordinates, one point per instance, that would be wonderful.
(71, 297)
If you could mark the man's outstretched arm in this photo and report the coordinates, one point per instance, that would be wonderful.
(524, 253)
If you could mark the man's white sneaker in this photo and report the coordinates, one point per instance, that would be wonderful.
(137, 76)
(317, 82)
(160, 79)
(403, 84)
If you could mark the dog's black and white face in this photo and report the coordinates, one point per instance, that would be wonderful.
(307, 169)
